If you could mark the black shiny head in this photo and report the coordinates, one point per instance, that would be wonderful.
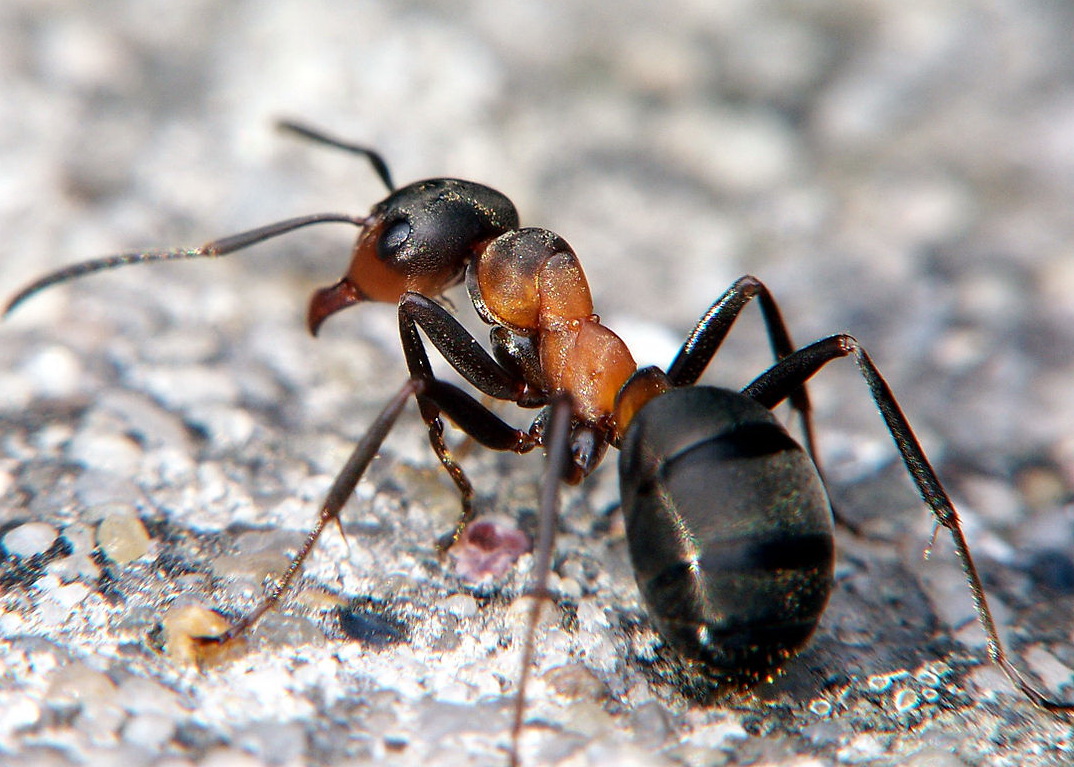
(433, 227)
(420, 238)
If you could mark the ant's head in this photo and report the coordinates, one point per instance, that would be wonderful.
(419, 239)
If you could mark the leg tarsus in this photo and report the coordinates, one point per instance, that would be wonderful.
(458, 476)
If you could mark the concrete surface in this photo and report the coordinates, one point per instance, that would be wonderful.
(901, 169)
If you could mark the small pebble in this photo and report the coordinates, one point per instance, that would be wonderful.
(460, 605)
(318, 599)
(927, 676)
(122, 537)
(861, 749)
(77, 567)
(488, 547)
(59, 599)
(1051, 671)
(718, 734)
(100, 722)
(80, 537)
(587, 717)
(18, 713)
(78, 683)
(30, 539)
(55, 371)
(183, 623)
(575, 682)
(105, 451)
(881, 682)
(149, 731)
(905, 700)
(820, 707)
(140, 695)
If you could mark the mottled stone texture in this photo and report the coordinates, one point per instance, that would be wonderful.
(900, 169)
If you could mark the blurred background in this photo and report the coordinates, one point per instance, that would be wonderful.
(901, 170)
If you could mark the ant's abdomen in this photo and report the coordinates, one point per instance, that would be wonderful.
(729, 530)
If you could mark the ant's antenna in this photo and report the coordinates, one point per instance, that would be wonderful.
(224, 245)
(221, 247)
(313, 134)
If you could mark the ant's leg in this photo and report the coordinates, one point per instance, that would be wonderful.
(418, 363)
(480, 424)
(557, 441)
(711, 330)
(467, 356)
(341, 490)
(789, 375)
(477, 421)
(466, 445)
(461, 350)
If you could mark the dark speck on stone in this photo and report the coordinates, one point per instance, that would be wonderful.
(367, 625)
(1053, 570)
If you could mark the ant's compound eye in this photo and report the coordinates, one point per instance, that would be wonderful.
(395, 235)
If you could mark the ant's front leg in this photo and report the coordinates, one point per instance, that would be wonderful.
(463, 352)
(472, 417)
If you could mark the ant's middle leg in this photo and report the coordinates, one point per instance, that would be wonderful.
(342, 488)
(466, 355)
(711, 330)
(790, 374)
(480, 424)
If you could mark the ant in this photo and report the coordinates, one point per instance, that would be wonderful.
(728, 523)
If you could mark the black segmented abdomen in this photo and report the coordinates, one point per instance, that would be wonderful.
(729, 529)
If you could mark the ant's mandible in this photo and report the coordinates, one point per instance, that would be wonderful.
(729, 526)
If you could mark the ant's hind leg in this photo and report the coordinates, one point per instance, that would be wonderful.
(790, 374)
(711, 330)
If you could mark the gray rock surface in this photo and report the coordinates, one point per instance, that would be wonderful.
(899, 169)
